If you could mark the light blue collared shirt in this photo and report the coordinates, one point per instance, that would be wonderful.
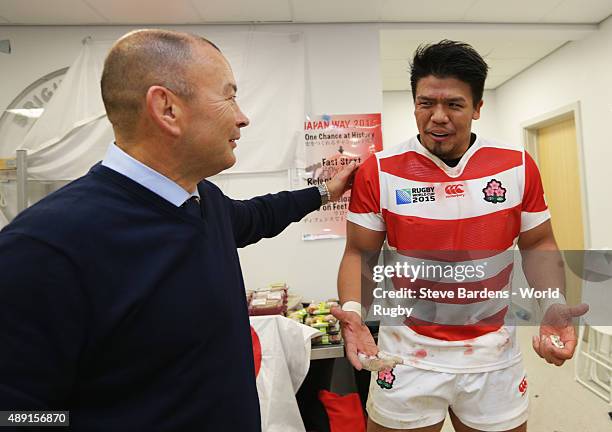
(118, 160)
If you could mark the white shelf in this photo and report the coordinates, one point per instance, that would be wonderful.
(327, 352)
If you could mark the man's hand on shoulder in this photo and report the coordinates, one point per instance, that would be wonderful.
(342, 181)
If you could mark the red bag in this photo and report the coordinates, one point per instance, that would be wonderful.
(345, 412)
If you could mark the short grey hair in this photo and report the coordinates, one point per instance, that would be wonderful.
(139, 60)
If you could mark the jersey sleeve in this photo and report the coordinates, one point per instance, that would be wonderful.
(364, 209)
(268, 215)
(534, 210)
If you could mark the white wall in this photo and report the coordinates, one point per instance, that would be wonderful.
(344, 79)
(341, 80)
(398, 122)
(578, 72)
(337, 78)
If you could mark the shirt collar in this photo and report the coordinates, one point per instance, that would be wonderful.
(118, 160)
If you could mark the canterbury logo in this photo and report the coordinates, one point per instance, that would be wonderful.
(523, 386)
(455, 189)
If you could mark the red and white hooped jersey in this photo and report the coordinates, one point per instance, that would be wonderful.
(435, 215)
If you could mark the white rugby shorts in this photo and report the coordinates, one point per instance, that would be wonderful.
(406, 397)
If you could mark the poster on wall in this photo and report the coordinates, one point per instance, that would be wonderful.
(331, 142)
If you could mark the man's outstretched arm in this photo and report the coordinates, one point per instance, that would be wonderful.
(354, 277)
(267, 216)
(544, 268)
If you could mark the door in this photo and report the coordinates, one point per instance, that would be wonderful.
(557, 158)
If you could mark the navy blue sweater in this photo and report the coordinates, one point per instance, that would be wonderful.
(131, 313)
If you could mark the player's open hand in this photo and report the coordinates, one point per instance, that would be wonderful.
(557, 340)
(356, 335)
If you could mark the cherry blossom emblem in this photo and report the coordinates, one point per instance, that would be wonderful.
(385, 379)
(494, 192)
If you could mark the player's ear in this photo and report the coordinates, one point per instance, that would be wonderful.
(476, 113)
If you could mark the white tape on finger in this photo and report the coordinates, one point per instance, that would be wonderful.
(380, 361)
(352, 306)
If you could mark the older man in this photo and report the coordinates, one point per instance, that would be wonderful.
(122, 295)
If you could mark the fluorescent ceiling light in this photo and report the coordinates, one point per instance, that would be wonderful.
(25, 112)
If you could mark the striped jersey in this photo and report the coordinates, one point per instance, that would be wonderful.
(455, 229)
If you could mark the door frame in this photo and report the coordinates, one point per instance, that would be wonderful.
(530, 140)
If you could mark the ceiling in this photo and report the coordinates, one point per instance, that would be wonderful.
(508, 49)
(508, 52)
(112, 12)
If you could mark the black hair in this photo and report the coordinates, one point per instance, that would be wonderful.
(450, 59)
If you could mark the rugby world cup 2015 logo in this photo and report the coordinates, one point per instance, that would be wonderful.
(403, 196)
